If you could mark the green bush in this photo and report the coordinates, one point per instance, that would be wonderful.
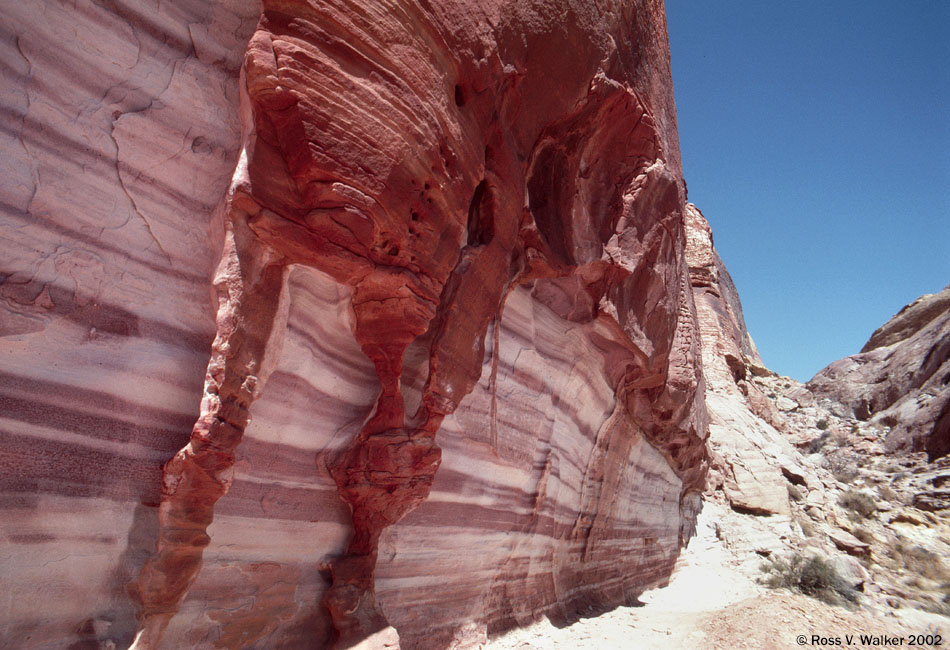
(859, 503)
(811, 576)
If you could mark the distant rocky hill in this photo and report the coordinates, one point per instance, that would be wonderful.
(900, 379)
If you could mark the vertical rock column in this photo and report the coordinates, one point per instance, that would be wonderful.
(250, 285)
(389, 468)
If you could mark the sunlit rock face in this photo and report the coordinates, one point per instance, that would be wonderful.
(120, 134)
(746, 446)
(435, 250)
(900, 379)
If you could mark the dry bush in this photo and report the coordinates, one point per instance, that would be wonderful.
(863, 534)
(811, 576)
(808, 528)
(925, 565)
(858, 503)
(815, 445)
(920, 561)
(846, 474)
(888, 493)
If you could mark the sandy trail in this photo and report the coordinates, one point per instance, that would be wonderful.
(713, 601)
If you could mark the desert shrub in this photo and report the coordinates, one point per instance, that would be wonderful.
(920, 561)
(815, 445)
(811, 576)
(846, 474)
(888, 494)
(863, 534)
(924, 564)
(822, 424)
(794, 493)
(944, 602)
(808, 528)
(859, 503)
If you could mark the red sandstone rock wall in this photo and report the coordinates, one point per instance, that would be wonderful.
(451, 293)
(120, 134)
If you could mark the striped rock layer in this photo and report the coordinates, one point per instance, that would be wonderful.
(370, 324)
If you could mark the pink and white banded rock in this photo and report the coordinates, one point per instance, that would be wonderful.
(450, 289)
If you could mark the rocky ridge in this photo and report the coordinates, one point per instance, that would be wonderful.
(802, 477)
(900, 380)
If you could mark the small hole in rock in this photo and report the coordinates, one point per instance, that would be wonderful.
(459, 97)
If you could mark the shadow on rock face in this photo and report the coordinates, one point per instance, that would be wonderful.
(938, 443)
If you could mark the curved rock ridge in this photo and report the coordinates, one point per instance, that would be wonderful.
(909, 320)
(901, 378)
(451, 236)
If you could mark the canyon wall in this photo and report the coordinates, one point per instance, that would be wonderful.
(120, 136)
(750, 454)
(370, 320)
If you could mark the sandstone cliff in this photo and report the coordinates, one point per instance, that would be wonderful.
(746, 441)
(450, 289)
(900, 379)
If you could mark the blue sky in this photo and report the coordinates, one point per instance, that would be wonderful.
(816, 140)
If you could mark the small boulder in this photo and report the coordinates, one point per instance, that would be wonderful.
(848, 542)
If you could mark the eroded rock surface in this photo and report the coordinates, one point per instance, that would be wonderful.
(451, 291)
(120, 135)
(746, 446)
(900, 379)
